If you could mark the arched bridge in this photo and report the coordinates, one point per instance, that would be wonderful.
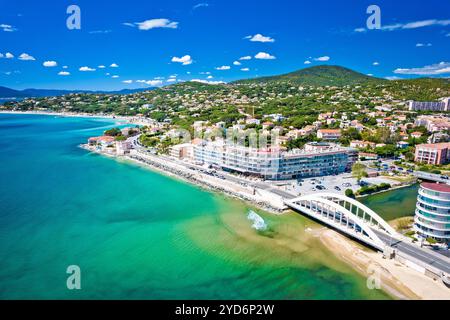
(346, 215)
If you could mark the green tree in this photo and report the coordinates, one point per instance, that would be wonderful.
(359, 171)
(349, 193)
(114, 132)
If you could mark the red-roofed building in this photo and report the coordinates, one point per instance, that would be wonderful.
(435, 153)
(329, 134)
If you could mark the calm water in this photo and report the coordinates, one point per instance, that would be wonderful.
(137, 234)
(393, 204)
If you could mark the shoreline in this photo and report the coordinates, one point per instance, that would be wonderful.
(191, 179)
(127, 119)
(397, 280)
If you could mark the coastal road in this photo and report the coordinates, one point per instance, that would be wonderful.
(242, 181)
(425, 255)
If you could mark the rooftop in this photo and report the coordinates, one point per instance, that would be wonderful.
(439, 146)
(436, 187)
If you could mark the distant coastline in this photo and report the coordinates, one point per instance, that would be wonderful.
(124, 119)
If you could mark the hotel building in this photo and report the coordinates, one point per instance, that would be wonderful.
(443, 105)
(316, 159)
(435, 153)
(432, 218)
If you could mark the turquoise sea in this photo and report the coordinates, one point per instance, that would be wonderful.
(136, 234)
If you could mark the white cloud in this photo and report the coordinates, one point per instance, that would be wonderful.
(376, 63)
(9, 55)
(7, 28)
(50, 64)
(100, 32)
(223, 68)
(26, 57)
(86, 69)
(207, 82)
(245, 58)
(154, 23)
(114, 65)
(209, 77)
(307, 62)
(115, 76)
(425, 23)
(434, 69)
(172, 80)
(200, 5)
(392, 78)
(324, 58)
(423, 44)
(154, 83)
(65, 67)
(370, 74)
(64, 73)
(185, 60)
(127, 81)
(410, 25)
(237, 63)
(101, 66)
(260, 38)
(264, 56)
(1, 55)
(245, 69)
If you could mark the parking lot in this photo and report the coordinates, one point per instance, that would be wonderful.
(338, 184)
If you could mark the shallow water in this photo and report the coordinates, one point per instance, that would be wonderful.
(136, 234)
(393, 204)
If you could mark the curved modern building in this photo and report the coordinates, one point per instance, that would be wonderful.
(432, 219)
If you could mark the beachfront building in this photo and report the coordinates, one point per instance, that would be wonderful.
(316, 159)
(443, 105)
(434, 153)
(181, 151)
(103, 143)
(432, 216)
(329, 134)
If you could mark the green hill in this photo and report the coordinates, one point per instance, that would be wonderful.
(320, 76)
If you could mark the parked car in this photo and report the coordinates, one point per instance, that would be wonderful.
(337, 188)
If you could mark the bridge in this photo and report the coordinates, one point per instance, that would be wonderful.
(357, 221)
(346, 215)
(431, 177)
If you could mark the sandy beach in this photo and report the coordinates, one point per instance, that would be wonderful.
(396, 278)
(130, 120)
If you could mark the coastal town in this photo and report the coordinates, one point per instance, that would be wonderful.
(275, 142)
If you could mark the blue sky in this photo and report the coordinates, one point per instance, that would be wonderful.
(142, 43)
